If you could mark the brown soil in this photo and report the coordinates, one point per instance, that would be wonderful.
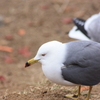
(42, 22)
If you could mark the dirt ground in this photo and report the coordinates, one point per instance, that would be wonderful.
(24, 26)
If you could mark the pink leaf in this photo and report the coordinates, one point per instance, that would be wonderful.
(2, 78)
(67, 20)
(30, 23)
(24, 51)
(44, 7)
(8, 59)
(9, 37)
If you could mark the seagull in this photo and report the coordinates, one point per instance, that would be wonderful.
(72, 63)
(86, 29)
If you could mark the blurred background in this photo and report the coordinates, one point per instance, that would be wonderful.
(27, 24)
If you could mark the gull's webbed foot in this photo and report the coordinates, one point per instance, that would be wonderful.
(74, 97)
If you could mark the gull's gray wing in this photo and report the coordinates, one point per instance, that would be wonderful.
(82, 64)
(92, 27)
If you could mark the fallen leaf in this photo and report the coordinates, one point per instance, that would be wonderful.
(21, 32)
(8, 59)
(44, 7)
(2, 78)
(83, 88)
(9, 37)
(30, 23)
(24, 51)
(67, 20)
(6, 48)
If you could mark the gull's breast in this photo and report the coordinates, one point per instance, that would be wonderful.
(55, 75)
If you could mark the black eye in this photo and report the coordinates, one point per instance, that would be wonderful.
(43, 54)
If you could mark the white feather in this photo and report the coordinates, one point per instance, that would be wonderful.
(77, 34)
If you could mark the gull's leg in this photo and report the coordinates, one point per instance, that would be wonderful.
(75, 96)
(78, 94)
(88, 96)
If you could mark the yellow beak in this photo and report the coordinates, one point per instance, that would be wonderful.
(30, 62)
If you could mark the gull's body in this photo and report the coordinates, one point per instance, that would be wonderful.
(73, 63)
(86, 30)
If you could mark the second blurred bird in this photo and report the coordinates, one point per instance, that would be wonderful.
(86, 29)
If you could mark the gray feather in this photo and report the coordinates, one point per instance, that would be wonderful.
(94, 29)
(82, 65)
